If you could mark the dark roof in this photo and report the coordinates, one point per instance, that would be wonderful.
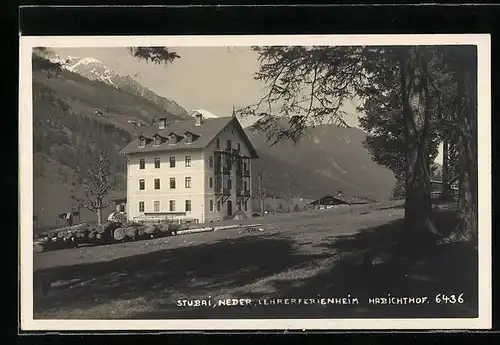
(328, 199)
(206, 132)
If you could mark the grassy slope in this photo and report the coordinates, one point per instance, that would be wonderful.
(299, 257)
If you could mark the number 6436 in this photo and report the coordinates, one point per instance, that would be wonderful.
(450, 299)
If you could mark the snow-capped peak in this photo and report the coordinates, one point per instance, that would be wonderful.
(205, 113)
(85, 61)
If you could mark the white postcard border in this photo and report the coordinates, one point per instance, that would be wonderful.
(26, 183)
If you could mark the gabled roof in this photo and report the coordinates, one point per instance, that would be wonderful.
(205, 133)
(327, 199)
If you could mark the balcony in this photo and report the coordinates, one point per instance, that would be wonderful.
(243, 193)
(223, 191)
(226, 191)
(222, 170)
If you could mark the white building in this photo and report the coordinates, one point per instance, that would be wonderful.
(193, 170)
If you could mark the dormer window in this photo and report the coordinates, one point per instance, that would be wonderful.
(157, 140)
(172, 139)
(189, 138)
(162, 123)
(142, 142)
(198, 119)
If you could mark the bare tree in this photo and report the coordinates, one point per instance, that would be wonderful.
(260, 190)
(97, 184)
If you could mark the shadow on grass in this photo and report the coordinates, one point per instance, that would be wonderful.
(187, 271)
(383, 261)
(372, 263)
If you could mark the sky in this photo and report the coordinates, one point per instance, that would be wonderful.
(210, 78)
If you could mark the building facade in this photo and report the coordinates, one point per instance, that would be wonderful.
(197, 170)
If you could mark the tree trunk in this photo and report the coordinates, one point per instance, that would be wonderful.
(415, 103)
(445, 193)
(99, 216)
(467, 225)
(261, 206)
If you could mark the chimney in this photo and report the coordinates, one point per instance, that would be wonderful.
(339, 193)
(162, 123)
(198, 119)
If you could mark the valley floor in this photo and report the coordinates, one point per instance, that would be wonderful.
(301, 256)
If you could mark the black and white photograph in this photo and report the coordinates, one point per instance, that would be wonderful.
(255, 182)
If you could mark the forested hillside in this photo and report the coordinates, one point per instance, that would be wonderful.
(73, 118)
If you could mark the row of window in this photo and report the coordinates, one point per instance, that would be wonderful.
(187, 206)
(187, 183)
(228, 144)
(157, 184)
(172, 139)
(187, 162)
(156, 206)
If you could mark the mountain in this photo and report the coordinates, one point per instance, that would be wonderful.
(73, 117)
(205, 113)
(95, 70)
(326, 160)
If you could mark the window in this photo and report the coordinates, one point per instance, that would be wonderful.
(210, 182)
(156, 206)
(246, 185)
(162, 124)
(188, 205)
(218, 206)
(228, 146)
(211, 161)
(245, 166)
(142, 163)
(246, 205)
(211, 205)
(189, 138)
(173, 139)
(217, 142)
(187, 161)
(188, 182)
(172, 162)
(141, 206)
(172, 205)
(172, 183)
(142, 142)
(229, 185)
(142, 184)
(122, 208)
(239, 205)
(239, 147)
(157, 140)
(157, 163)
(157, 183)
